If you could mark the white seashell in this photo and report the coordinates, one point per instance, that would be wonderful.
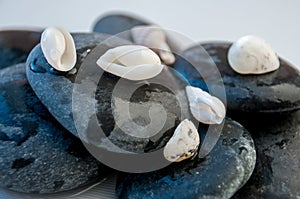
(252, 55)
(204, 107)
(59, 48)
(132, 62)
(153, 37)
(183, 144)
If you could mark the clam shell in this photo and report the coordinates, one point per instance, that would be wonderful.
(183, 144)
(204, 107)
(58, 48)
(252, 55)
(132, 62)
(153, 37)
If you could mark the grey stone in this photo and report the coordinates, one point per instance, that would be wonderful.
(219, 175)
(274, 92)
(37, 155)
(56, 92)
(277, 172)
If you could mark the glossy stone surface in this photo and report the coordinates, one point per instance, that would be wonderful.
(219, 175)
(37, 155)
(55, 91)
(117, 23)
(60, 94)
(277, 172)
(274, 92)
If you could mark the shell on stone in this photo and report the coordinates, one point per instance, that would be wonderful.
(59, 48)
(183, 144)
(153, 37)
(132, 62)
(252, 55)
(204, 107)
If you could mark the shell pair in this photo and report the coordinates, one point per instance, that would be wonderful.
(132, 62)
(185, 141)
(138, 62)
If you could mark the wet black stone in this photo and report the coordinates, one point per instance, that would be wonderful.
(21, 163)
(117, 23)
(219, 175)
(35, 156)
(48, 85)
(58, 184)
(277, 91)
(277, 171)
(56, 91)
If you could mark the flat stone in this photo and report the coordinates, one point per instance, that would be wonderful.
(219, 175)
(55, 91)
(274, 92)
(15, 45)
(37, 155)
(113, 24)
(277, 172)
(71, 96)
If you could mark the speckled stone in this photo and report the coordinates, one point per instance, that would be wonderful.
(117, 23)
(277, 172)
(274, 92)
(219, 175)
(15, 46)
(36, 154)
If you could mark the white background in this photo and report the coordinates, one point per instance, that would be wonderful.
(277, 21)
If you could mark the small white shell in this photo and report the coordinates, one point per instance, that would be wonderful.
(204, 107)
(153, 37)
(132, 62)
(183, 144)
(252, 55)
(58, 48)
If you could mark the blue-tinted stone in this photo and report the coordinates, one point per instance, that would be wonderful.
(219, 175)
(36, 152)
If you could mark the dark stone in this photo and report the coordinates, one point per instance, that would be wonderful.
(10, 56)
(277, 171)
(274, 92)
(59, 102)
(36, 154)
(21, 163)
(219, 175)
(117, 23)
(165, 92)
(15, 45)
